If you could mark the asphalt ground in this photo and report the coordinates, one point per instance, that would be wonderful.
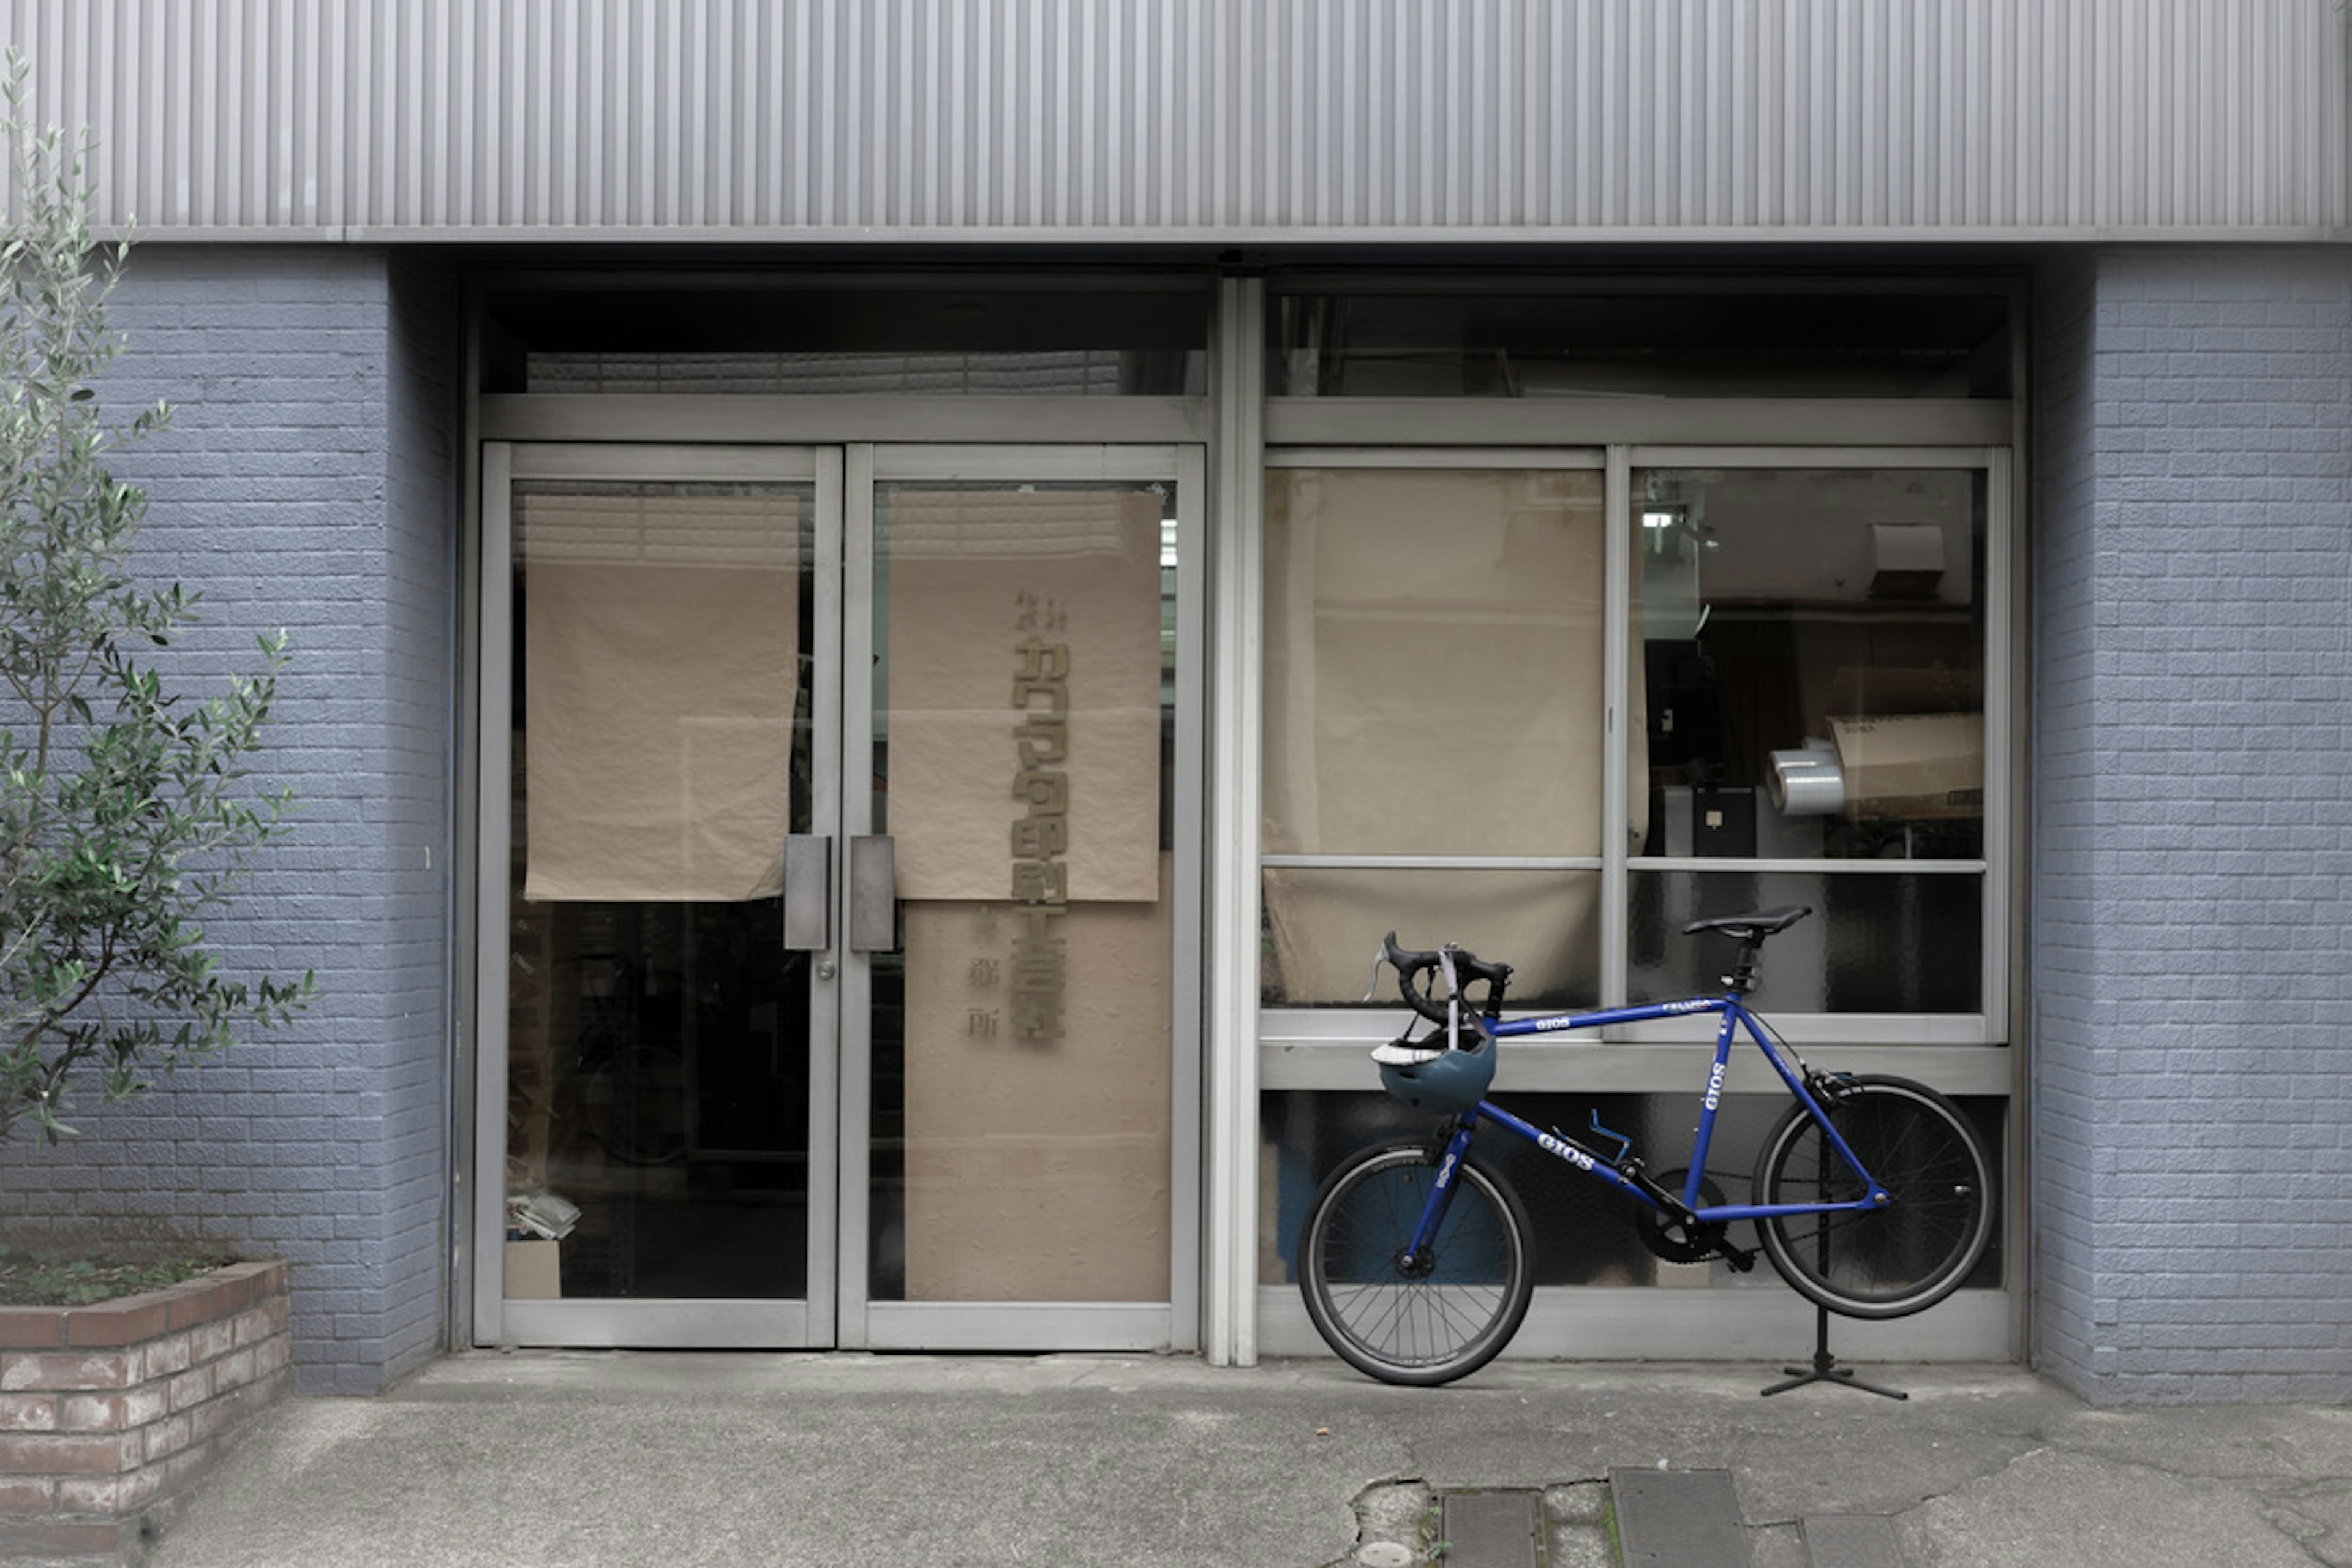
(620, 1457)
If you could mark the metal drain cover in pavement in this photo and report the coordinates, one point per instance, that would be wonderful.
(1688, 1518)
(1491, 1530)
(1851, 1541)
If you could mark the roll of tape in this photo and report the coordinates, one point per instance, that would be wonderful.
(1807, 783)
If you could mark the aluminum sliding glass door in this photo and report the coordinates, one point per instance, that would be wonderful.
(660, 703)
(835, 917)
(1019, 1120)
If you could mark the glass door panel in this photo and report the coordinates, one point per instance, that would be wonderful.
(664, 1052)
(1024, 728)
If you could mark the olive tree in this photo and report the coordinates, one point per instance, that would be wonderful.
(126, 811)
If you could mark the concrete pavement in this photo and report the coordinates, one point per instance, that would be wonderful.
(594, 1458)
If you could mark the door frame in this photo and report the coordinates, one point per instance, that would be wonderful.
(1035, 1325)
(837, 1311)
(669, 1323)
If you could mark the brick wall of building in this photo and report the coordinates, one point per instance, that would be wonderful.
(2071, 1037)
(2192, 886)
(305, 483)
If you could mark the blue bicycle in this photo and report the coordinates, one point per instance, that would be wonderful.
(1873, 1196)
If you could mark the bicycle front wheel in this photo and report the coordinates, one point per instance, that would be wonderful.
(1887, 1262)
(1451, 1309)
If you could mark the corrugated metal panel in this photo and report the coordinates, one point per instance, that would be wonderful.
(1224, 118)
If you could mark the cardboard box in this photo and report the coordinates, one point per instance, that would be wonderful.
(1912, 765)
(534, 1270)
(1872, 692)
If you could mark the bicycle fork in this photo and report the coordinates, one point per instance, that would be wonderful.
(1440, 1195)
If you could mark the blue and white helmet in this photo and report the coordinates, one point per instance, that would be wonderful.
(1446, 1082)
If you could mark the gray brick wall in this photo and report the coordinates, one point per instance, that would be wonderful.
(2071, 1040)
(2192, 889)
(305, 483)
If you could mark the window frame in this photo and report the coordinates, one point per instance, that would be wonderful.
(1312, 1047)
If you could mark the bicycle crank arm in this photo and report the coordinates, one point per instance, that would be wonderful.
(1699, 1237)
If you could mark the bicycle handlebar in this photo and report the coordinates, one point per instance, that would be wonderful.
(1468, 967)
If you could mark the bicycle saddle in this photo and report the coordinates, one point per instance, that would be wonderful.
(1753, 927)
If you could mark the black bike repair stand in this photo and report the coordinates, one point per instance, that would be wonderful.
(1825, 1368)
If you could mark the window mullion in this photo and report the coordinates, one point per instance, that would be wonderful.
(1616, 740)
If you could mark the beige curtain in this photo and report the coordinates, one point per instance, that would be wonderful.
(660, 647)
(977, 576)
(1433, 686)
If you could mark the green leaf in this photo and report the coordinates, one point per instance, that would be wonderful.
(125, 803)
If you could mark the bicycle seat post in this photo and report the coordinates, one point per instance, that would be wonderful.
(1742, 978)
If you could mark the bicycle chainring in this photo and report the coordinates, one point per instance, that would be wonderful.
(1671, 1243)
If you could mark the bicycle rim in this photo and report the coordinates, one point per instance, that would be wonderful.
(1889, 1262)
(1450, 1314)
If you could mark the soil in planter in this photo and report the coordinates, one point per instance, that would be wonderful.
(79, 1277)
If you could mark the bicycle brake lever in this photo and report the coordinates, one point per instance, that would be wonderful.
(1373, 989)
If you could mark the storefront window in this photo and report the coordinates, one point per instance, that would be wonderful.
(1072, 372)
(1538, 342)
(1813, 654)
(847, 338)
(1910, 942)
(1804, 693)
(1433, 689)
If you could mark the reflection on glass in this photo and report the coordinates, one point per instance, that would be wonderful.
(1874, 943)
(1814, 660)
(1584, 1232)
(657, 1114)
(1024, 700)
(1503, 342)
(1003, 372)
(1324, 925)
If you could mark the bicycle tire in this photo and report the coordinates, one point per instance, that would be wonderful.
(1455, 1311)
(1889, 1262)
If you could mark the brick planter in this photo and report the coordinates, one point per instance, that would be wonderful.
(109, 1413)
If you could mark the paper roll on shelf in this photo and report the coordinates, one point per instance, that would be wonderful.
(1807, 782)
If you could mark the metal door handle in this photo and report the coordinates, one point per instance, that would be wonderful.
(873, 894)
(808, 892)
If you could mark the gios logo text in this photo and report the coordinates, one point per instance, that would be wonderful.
(1574, 1156)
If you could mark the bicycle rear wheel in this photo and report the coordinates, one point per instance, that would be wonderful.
(1454, 1308)
(1888, 1262)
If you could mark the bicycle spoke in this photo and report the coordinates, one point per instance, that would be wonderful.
(1446, 1314)
(1886, 1261)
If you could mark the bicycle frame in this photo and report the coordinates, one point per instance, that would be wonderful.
(1566, 1149)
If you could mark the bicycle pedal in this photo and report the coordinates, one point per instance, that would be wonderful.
(1741, 1258)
